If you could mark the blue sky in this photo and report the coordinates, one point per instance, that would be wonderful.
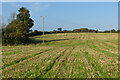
(67, 15)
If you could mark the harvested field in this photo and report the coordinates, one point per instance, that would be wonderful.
(63, 55)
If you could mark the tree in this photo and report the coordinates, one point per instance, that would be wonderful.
(113, 31)
(24, 18)
(17, 32)
(84, 30)
(76, 30)
(96, 31)
(54, 31)
(118, 31)
(91, 30)
(35, 31)
(59, 29)
(64, 30)
(106, 31)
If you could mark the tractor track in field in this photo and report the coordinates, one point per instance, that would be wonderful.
(27, 74)
(46, 67)
(52, 64)
(64, 55)
(61, 61)
(25, 58)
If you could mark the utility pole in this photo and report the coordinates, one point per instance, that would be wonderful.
(43, 28)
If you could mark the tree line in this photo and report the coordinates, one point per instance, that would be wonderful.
(81, 30)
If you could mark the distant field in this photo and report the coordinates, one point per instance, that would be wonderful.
(64, 55)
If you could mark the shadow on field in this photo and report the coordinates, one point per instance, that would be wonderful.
(38, 37)
(41, 41)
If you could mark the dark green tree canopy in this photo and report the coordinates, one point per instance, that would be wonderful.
(17, 31)
(112, 31)
(59, 29)
(24, 18)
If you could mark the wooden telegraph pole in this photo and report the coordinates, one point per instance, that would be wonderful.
(43, 28)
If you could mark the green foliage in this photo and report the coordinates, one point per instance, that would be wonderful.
(35, 31)
(86, 52)
(106, 31)
(76, 30)
(17, 31)
(65, 30)
(96, 31)
(59, 29)
(113, 31)
(84, 29)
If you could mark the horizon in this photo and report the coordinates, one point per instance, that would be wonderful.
(66, 15)
(74, 29)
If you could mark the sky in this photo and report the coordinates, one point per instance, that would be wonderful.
(67, 15)
(60, 0)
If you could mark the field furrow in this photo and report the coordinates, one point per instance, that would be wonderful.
(21, 58)
(32, 61)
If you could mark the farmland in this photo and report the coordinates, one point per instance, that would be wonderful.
(63, 55)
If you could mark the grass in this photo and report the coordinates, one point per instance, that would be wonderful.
(69, 55)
